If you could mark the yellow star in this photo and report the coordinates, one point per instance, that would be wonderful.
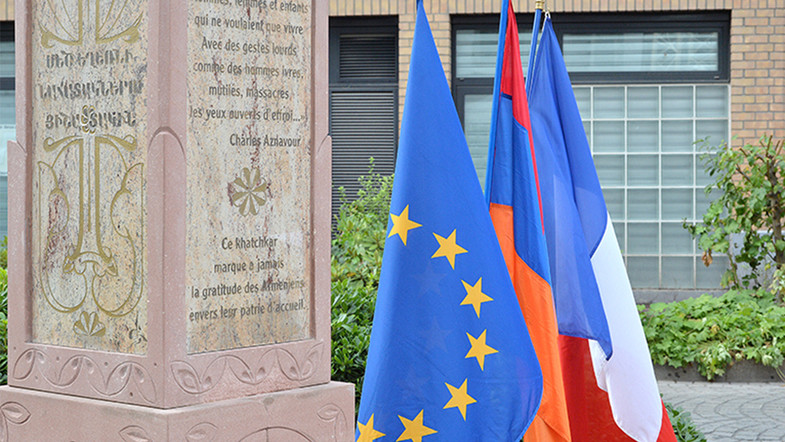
(402, 224)
(475, 296)
(415, 429)
(367, 432)
(448, 248)
(460, 398)
(479, 349)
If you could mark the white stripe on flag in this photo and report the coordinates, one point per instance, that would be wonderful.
(628, 376)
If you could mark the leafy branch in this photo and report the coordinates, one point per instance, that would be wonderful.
(750, 206)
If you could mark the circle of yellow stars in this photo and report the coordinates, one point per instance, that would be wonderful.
(415, 429)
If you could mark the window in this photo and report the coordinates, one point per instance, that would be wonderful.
(648, 86)
(7, 115)
(652, 175)
(474, 64)
(363, 99)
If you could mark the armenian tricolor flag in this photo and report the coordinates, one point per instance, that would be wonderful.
(515, 208)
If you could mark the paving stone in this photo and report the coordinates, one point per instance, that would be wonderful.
(725, 411)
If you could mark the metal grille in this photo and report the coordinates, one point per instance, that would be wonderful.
(368, 58)
(363, 125)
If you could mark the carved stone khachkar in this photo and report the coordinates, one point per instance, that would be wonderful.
(169, 227)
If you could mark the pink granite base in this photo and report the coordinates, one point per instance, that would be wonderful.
(319, 413)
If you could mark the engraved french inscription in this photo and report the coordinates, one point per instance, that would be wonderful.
(89, 63)
(248, 243)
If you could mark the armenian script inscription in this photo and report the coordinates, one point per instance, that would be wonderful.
(89, 62)
(248, 242)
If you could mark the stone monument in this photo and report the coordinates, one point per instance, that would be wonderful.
(169, 238)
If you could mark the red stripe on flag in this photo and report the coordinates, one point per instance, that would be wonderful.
(588, 405)
(514, 85)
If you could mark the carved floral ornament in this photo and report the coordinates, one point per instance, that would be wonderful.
(331, 414)
(14, 413)
(191, 381)
(249, 191)
(63, 375)
(89, 183)
(135, 433)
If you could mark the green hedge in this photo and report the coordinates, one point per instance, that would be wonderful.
(713, 332)
(357, 246)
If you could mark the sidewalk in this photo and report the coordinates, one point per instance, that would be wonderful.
(725, 411)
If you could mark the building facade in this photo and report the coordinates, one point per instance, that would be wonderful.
(7, 106)
(652, 79)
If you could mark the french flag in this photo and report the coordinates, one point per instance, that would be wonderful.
(609, 381)
(513, 195)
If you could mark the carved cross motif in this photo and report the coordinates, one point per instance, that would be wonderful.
(71, 31)
(89, 183)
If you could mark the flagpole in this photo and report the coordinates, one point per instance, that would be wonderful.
(497, 78)
(539, 5)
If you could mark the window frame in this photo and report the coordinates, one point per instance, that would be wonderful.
(379, 25)
(7, 84)
(620, 23)
(615, 23)
(7, 34)
(365, 25)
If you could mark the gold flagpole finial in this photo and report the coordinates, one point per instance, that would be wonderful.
(539, 4)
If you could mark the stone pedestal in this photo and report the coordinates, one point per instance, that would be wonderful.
(169, 223)
(304, 414)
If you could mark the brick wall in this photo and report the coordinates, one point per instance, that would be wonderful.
(6, 10)
(758, 70)
(757, 44)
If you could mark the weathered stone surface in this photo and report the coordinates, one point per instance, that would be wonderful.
(114, 222)
(89, 108)
(249, 174)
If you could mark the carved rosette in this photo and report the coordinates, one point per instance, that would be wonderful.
(248, 191)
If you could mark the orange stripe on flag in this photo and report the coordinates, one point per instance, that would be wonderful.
(534, 296)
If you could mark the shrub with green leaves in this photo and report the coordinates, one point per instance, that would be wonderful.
(4, 253)
(712, 332)
(751, 206)
(357, 249)
(683, 427)
(3, 315)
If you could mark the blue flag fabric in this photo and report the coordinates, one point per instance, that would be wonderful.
(609, 397)
(573, 206)
(450, 356)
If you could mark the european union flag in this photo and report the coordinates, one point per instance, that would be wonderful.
(450, 356)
